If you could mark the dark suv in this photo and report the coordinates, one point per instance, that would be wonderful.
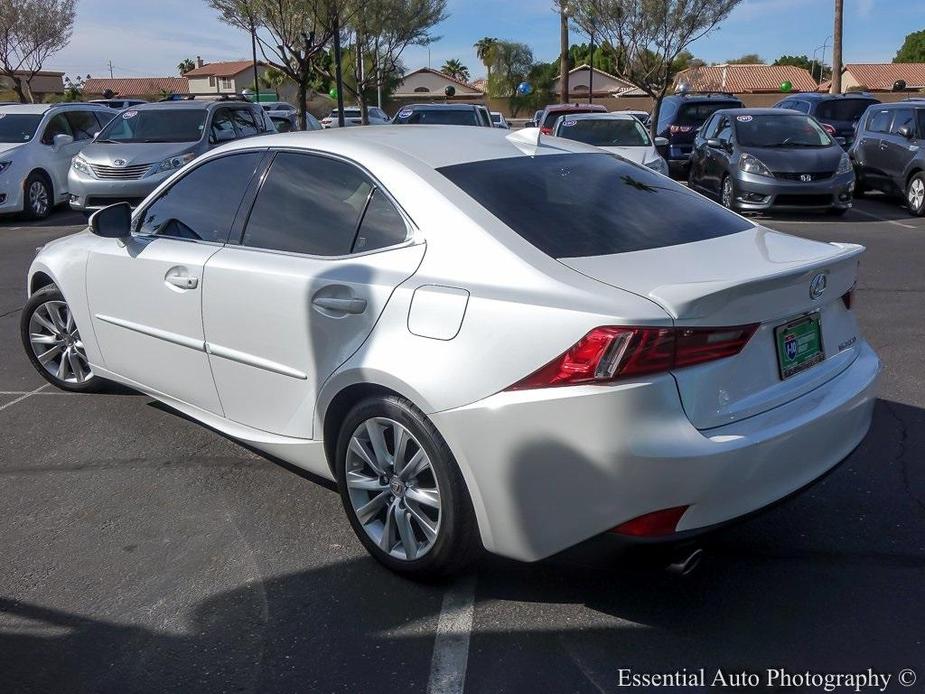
(888, 153)
(679, 119)
(838, 113)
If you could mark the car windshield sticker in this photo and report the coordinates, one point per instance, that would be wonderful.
(405, 112)
(744, 119)
(129, 114)
(568, 123)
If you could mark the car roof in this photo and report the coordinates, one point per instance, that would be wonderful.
(441, 107)
(433, 145)
(712, 96)
(188, 104)
(575, 107)
(783, 112)
(42, 108)
(818, 96)
(591, 115)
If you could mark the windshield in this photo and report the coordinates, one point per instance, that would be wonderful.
(604, 132)
(437, 117)
(578, 205)
(18, 127)
(780, 131)
(155, 125)
(844, 109)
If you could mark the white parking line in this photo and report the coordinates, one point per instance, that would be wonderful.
(24, 396)
(451, 645)
(884, 219)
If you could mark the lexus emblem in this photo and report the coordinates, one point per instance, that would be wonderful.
(805, 178)
(817, 286)
(119, 162)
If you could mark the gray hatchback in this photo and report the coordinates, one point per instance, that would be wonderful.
(756, 159)
(145, 144)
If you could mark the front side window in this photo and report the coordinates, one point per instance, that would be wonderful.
(780, 131)
(308, 204)
(202, 205)
(244, 122)
(58, 125)
(724, 130)
(605, 132)
(879, 121)
(18, 127)
(578, 205)
(155, 125)
(83, 124)
(903, 117)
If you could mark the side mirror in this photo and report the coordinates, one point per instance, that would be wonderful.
(715, 144)
(906, 132)
(61, 140)
(661, 141)
(113, 222)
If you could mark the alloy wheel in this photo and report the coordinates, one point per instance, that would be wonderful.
(56, 342)
(392, 488)
(38, 198)
(916, 196)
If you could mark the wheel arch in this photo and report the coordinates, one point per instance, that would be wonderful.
(44, 174)
(338, 408)
(39, 280)
(916, 168)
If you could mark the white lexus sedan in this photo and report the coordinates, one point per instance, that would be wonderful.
(491, 340)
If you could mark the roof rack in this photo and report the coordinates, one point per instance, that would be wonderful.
(915, 98)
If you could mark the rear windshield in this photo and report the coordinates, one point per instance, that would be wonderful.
(427, 116)
(843, 109)
(18, 127)
(577, 205)
(780, 131)
(605, 132)
(155, 125)
(553, 116)
(695, 115)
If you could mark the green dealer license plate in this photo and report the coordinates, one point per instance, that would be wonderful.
(799, 345)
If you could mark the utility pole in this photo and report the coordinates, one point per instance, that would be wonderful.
(254, 54)
(110, 69)
(338, 73)
(837, 48)
(563, 52)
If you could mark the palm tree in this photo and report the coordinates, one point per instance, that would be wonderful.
(455, 69)
(485, 51)
(185, 66)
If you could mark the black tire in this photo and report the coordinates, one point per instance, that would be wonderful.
(859, 190)
(37, 205)
(42, 297)
(457, 538)
(915, 194)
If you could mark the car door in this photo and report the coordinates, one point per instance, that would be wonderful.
(717, 163)
(323, 249)
(701, 152)
(897, 150)
(145, 294)
(57, 160)
(871, 150)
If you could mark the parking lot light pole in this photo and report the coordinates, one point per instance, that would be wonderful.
(254, 54)
(338, 73)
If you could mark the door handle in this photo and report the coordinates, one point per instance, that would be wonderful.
(330, 303)
(180, 277)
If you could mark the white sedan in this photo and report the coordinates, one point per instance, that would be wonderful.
(488, 339)
(617, 133)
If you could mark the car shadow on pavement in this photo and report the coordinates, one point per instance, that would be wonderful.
(828, 582)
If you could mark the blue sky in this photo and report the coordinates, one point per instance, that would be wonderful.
(144, 38)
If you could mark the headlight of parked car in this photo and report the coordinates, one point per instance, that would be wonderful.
(753, 165)
(4, 165)
(81, 164)
(176, 162)
(659, 165)
(844, 164)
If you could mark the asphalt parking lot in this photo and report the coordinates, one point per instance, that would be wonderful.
(142, 552)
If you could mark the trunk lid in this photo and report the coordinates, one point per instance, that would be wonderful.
(756, 276)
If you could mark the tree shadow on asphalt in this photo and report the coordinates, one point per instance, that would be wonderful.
(829, 581)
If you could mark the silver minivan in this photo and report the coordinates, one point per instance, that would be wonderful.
(145, 144)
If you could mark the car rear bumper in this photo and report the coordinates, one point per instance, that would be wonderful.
(548, 469)
(756, 193)
(88, 194)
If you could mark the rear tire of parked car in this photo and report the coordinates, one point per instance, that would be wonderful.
(37, 196)
(52, 342)
(402, 490)
(915, 194)
(727, 193)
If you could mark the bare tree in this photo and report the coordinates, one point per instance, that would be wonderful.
(30, 32)
(290, 33)
(649, 36)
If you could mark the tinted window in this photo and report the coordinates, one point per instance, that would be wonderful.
(693, 115)
(843, 109)
(308, 204)
(709, 130)
(435, 116)
(156, 125)
(18, 127)
(553, 116)
(83, 124)
(780, 131)
(800, 106)
(222, 128)
(244, 122)
(724, 129)
(574, 205)
(879, 121)
(58, 125)
(202, 205)
(903, 117)
(921, 119)
(382, 225)
(605, 132)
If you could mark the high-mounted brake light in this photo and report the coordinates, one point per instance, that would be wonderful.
(610, 353)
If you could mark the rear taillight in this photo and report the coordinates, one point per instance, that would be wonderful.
(680, 129)
(546, 131)
(829, 129)
(655, 524)
(610, 353)
(848, 298)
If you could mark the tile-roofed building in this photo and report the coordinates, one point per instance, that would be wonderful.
(137, 87)
(583, 77)
(227, 77)
(880, 77)
(426, 81)
(746, 78)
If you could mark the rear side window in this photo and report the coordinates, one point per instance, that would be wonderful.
(576, 205)
(903, 117)
(244, 122)
(202, 205)
(222, 129)
(308, 204)
(694, 115)
(843, 109)
(382, 225)
(879, 121)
